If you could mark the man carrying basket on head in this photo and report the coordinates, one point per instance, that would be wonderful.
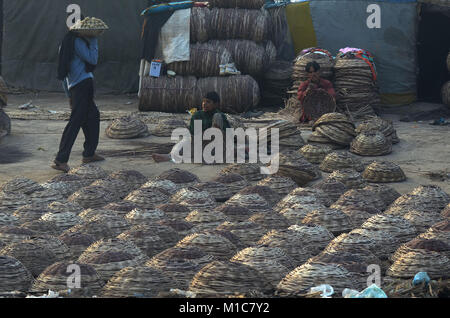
(78, 57)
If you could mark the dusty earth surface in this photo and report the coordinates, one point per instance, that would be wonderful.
(34, 140)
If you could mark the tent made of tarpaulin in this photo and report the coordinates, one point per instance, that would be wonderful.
(335, 24)
(33, 31)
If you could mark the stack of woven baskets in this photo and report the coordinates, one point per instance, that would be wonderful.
(333, 129)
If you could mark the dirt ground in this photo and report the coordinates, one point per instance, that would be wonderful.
(33, 143)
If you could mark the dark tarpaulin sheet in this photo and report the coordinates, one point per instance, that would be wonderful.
(33, 31)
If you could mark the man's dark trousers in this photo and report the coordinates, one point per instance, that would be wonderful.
(84, 115)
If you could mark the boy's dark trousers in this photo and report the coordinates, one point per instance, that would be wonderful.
(84, 115)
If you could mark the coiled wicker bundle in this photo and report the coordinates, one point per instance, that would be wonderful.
(322, 57)
(205, 220)
(90, 172)
(96, 228)
(117, 186)
(317, 103)
(93, 197)
(89, 214)
(445, 94)
(315, 154)
(165, 127)
(120, 208)
(200, 24)
(140, 281)
(13, 234)
(33, 256)
(270, 220)
(55, 278)
(219, 191)
(349, 177)
(249, 171)
(181, 263)
(113, 245)
(350, 241)
(387, 193)
(295, 166)
(131, 177)
(213, 244)
(13, 275)
(300, 280)
(30, 212)
(439, 197)
(174, 210)
(333, 188)
(249, 57)
(8, 220)
(180, 177)
(384, 171)
(42, 227)
(147, 216)
(149, 241)
(11, 201)
(408, 202)
(222, 279)
(127, 127)
(371, 143)
(269, 261)
(204, 60)
(429, 256)
(61, 251)
(22, 185)
(243, 4)
(239, 24)
(333, 220)
(279, 184)
(194, 199)
(354, 83)
(376, 123)
(76, 242)
(238, 93)
(341, 160)
(147, 198)
(439, 231)
(166, 94)
(267, 193)
(110, 262)
(361, 198)
(335, 128)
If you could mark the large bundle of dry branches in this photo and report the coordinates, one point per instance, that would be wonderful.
(200, 24)
(239, 24)
(168, 94)
(250, 57)
(280, 27)
(238, 93)
(205, 60)
(243, 4)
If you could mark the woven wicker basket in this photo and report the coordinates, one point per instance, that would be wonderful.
(246, 231)
(165, 127)
(13, 275)
(147, 198)
(30, 212)
(22, 185)
(55, 278)
(120, 208)
(93, 197)
(333, 188)
(57, 207)
(300, 280)
(11, 201)
(250, 172)
(293, 165)
(361, 198)
(117, 186)
(180, 177)
(379, 124)
(222, 279)
(139, 216)
(61, 220)
(333, 220)
(52, 243)
(205, 220)
(8, 220)
(281, 185)
(183, 228)
(266, 192)
(147, 240)
(46, 196)
(341, 160)
(254, 202)
(219, 191)
(76, 242)
(423, 220)
(133, 178)
(234, 181)
(213, 244)
(420, 243)
(128, 127)
(302, 196)
(89, 171)
(297, 212)
(14, 234)
(270, 220)
(234, 212)
(33, 256)
(349, 177)
(315, 154)
(140, 281)
(174, 210)
(371, 143)
(194, 199)
(181, 263)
